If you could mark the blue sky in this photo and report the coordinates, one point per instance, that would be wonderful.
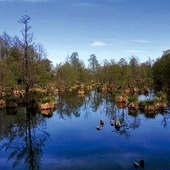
(110, 29)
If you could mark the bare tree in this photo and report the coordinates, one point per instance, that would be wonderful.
(28, 55)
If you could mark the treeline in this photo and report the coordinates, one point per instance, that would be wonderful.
(24, 64)
(121, 73)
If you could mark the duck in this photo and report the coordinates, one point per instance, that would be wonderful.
(136, 165)
(142, 163)
(117, 125)
(101, 122)
(98, 127)
(112, 122)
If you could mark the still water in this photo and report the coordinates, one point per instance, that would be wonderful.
(68, 138)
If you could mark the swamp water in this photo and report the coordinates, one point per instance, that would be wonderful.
(68, 138)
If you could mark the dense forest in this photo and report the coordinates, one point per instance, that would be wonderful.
(24, 65)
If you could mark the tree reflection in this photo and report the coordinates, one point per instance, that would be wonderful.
(106, 103)
(166, 117)
(25, 137)
(126, 120)
(69, 104)
(96, 100)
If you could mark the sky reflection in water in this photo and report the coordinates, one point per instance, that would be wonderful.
(74, 142)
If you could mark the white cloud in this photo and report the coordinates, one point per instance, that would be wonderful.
(140, 41)
(134, 51)
(98, 44)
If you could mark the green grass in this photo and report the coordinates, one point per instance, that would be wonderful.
(133, 99)
(47, 99)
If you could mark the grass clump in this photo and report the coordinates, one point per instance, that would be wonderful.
(47, 99)
(133, 99)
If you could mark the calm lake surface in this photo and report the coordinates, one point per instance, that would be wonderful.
(68, 138)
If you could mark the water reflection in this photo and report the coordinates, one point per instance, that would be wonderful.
(104, 103)
(147, 96)
(24, 136)
(73, 144)
(166, 118)
(69, 104)
(127, 121)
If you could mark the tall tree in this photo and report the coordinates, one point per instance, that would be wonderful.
(74, 60)
(133, 69)
(28, 55)
(93, 63)
(122, 71)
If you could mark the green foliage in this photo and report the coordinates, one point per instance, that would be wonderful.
(93, 64)
(161, 96)
(6, 76)
(21, 62)
(161, 73)
(133, 99)
(142, 103)
(11, 99)
(43, 72)
(148, 102)
(70, 72)
(47, 99)
(25, 61)
(118, 92)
